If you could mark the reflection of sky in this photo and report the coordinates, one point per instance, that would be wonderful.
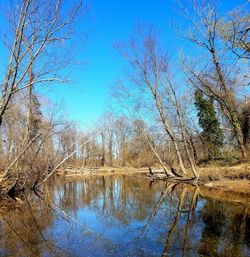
(117, 216)
(114, 235)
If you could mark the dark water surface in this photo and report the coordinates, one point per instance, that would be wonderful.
(124, 216)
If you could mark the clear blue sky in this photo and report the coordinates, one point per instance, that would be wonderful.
(109, 21)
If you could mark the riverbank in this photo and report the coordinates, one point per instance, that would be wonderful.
(226, 177)
(77, 172)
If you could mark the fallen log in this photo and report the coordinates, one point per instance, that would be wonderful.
(161, 176)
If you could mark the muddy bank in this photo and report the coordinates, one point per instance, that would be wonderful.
(232, 191)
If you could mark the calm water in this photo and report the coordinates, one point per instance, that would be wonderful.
(122, 216)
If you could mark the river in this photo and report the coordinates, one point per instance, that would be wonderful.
(123, 216)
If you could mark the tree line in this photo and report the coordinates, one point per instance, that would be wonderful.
(172, 108)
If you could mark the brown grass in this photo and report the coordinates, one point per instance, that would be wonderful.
(216, 172)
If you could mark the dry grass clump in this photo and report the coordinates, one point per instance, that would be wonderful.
(230, 170)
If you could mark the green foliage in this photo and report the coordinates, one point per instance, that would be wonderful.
(35, 116)
(245, 123)
(212, 133)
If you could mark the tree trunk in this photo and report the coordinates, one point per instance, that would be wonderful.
(232, 113)
(170, 132)
(240, 139)
(169, 173)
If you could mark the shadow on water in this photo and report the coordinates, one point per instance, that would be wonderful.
(123, 216)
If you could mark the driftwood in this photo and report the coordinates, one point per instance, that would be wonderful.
(162, 176)
(160, 171)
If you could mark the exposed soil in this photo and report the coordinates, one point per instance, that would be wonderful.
(239, 186)
(233, 191)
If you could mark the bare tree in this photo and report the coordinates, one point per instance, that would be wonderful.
(151, 73)
(41, 28)
(235, 31)
(140, 129)
(38, 40)
(213, 78)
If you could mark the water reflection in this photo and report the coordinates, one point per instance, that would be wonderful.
(123, 216)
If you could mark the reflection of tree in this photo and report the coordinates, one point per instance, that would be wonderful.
(123, 199)
(167, 191)
(214, 219)
(25, 227)
(186, 204)
(224, 232)
(225, 229)
(114, 198)
(247, 229)
(171, 215)
(172, 227)
(191, 214)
